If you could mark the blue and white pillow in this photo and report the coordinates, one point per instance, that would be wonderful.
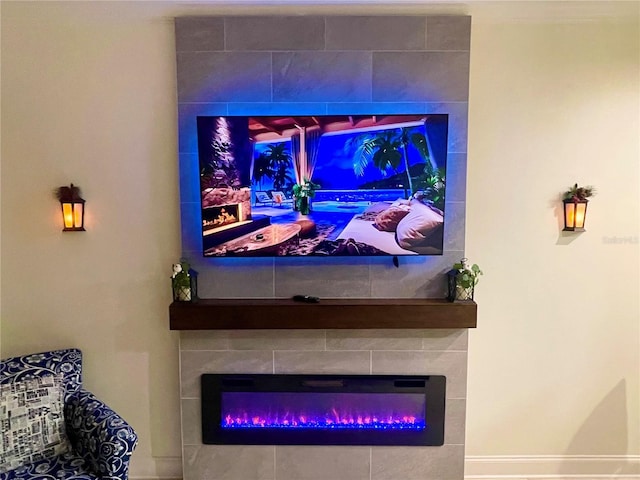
(32, 421)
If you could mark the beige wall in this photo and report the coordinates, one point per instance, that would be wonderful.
(554, 367)
(558, 339)
(92, 101)
(88, 95)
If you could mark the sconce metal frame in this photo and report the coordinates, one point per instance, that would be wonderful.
(575, 214)
(575, 207)
(72, 206)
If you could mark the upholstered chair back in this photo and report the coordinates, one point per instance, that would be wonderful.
(67, 363)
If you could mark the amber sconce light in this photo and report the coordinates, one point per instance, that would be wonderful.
(575, 207)
(72, 206)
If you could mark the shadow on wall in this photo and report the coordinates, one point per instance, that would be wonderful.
(608, 421)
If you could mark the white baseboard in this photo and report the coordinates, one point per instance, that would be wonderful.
(502, 467)
(156, 468)
(553, 467)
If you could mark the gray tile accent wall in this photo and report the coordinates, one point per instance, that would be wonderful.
(302, 77)
(270, 65)
(274, 33)
(375, 33)
(228, 462)
(429, 76)
(247, 76)
(323, 351)
(204, 34)
(448, 32)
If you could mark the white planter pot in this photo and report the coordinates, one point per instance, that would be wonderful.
(464, 293)
(183, 294)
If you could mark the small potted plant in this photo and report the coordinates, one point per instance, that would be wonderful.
(303, 193)
(183, 282)
(462, 280)
(579, 194)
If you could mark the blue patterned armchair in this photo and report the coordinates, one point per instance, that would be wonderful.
(100, 442)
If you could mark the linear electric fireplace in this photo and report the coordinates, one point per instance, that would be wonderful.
(323, 409)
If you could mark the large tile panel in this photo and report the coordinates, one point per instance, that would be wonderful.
(420, 76)
(398, 339)
(277, 339)
(356, 363)
(204, 340)
(457, 112)
(274, 33)
(448, 32)
(454, 422)
(364, 33)
(191, 230)
(194, 363)
(374, 339)
(322, 278)
(227, 277)
(281, 108)
(437, 463)
(456, 184)
(322, 77)
(322, 463)
(453, 365)
(189, 184)
(378, 108)
(415, 277)
(228, 462)
(454, 224)
(199, 34)
(446, 339)
(191, 421)
(224, 77)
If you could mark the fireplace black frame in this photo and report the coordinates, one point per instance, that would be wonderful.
(432, 386)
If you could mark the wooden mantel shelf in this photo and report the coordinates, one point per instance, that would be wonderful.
(360, 313)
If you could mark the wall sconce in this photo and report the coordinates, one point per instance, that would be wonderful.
(72, 208)
(575, 207)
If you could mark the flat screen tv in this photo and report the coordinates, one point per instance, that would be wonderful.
(322, 185)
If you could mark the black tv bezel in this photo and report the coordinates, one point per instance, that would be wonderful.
(394, 256)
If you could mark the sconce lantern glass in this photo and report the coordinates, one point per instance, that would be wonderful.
(72, 206)
(575, 212)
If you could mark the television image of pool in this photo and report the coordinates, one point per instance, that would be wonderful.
(324, 185)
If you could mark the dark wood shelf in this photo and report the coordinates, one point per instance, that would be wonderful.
(339, 313)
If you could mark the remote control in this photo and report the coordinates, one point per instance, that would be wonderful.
(306, 299)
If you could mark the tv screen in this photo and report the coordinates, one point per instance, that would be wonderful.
(321, 185)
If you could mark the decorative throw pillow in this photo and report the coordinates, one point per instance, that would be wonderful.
(32, 420)
(401, 201)
(377, 207)
(388, 219)
(421, 223)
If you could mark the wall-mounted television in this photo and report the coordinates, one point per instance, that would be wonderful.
(322, 185)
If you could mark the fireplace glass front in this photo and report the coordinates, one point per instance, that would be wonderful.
(323, 409)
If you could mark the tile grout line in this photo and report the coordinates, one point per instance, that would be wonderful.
(275, 470)
(370, 362)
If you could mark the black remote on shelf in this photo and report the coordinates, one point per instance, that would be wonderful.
(306, 299)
